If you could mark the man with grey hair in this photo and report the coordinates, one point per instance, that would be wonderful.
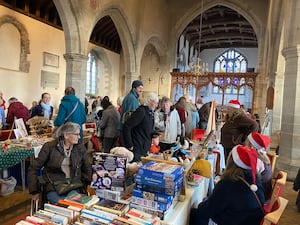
(138, 128)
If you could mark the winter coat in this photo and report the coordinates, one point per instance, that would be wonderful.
(51, 157)
(130, 102)
(231, 203)
(137, 131)
(109, 122)
(39, 111)
(66, 106)
(18, 110)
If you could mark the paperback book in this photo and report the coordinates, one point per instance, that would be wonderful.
(113, 207)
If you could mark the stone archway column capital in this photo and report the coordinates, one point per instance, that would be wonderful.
(291, 52)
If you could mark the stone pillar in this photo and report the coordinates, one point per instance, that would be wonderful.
(76, 73)
(129, 78)
(289, 152)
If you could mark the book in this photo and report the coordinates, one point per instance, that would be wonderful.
(96, 216)
(112, 207)
(154, 212)
(142, 217)
(109, 171)
(117, 196)
(161, 170)
(52, 216)
(123, 221)
(69, 213)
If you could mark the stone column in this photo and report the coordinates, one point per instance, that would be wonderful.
(76, 73)
(129, 78)
(289, 152)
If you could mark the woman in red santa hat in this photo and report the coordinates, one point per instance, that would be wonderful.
(261, 143)
(237, 126)
(238, 197)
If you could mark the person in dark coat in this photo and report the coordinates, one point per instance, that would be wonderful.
(64, 158)
(71, 109)
(109, 124)
(16, 110)
(238, 125)
(43, 108)
(137, 130)
(233, 200)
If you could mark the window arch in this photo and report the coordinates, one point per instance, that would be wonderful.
(91, 74)
(231, 61)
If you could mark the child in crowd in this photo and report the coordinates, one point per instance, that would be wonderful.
(154, 149)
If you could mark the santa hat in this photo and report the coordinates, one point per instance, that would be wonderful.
(234, 104)
(246, 158)
(259, 141)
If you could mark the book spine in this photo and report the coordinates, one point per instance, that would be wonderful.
(92, 214)
(117, 212)
(105, 214)
(158, 213)
(143, 215)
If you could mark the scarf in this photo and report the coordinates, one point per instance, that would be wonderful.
(46, 109)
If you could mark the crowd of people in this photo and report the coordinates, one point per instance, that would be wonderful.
(150, 124)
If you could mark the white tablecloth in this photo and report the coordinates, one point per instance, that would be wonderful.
(180, 212)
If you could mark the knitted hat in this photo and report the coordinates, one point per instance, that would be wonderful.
(259, 141)
(234, 104)
(246, 158)
(136, 83)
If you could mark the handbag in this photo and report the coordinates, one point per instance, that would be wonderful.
(65, 186)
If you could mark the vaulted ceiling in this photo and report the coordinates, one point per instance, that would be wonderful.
(221, 27)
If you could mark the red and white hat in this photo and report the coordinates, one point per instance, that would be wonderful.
(259, 141)
(234, 104)
(246, 158)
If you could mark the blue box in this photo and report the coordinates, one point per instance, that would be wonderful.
(151, 204)
(157, 189)
(158, 182)
(160, 170)
(152, 195)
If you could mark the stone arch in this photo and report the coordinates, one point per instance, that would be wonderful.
(196, 10)
(24, 63)
(125, 37)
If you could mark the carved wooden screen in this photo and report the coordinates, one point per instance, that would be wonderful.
(220, 80)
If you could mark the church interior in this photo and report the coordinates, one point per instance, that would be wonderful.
(210, 49)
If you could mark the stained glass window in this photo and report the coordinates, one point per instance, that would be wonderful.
(231, 61)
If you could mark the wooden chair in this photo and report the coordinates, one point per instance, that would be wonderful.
(272, 156)
(273, 217)
(278, 185)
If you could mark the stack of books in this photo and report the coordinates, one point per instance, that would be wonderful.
(157, 186)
